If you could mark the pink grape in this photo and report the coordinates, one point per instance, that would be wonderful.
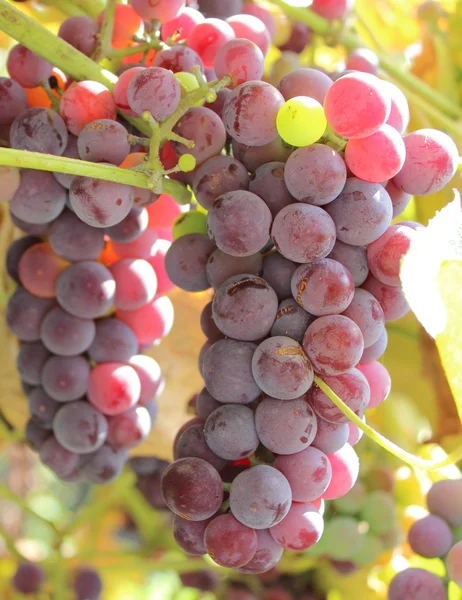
(355, 433)
(136, 283)
(155, 90)
(157, 262)
(391, 298)
(385, 254)
(305, 82)
(162, 214)
(300, 529)
(241, 59)
(351, 387)
(377, 157)
(253, 29)
(113, 388)
(84, 102)
(121, 88)
(357, 105)
(332, 9)
(130, 428)
(150, 376)
(308, 472)
(431, 162)
(366, 312)
(141, 247)
(334, 344)
(399, 113)
(178, 58)
(345, 471)
(444, 500)
(363, 59)
(230, 543)
(324, 287)
(207, 37)
(416, 584)
(430, 537)
(160, 10)
(151, 322)
(261, 13)
(181, 25)
(39, 269)
(454, 563)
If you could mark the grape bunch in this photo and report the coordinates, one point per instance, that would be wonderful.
(304, 262)
(438, 535)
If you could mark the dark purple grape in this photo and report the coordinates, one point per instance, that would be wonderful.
(366, 312)
(206, 404)
(103, 140)
(24, 314)
(267, 555)
(209, 329)
(15, 252)
(30, 228)
(74, 240)
(28, 578)
(431, 537)
(155, 90)
(59, 459)
(230, 432)
(354, 258)
(206, 581)
(145, 465)
(191, 443)
(330, 437)
(230, 543)
(104, 465)
(186, 261)
(130, 228)
(178, 58)
(87, 584)
(244, 307)
(13, 100)
(113, 341)
(39, 198)
(81, 32)
(299, 38)
(205, 129)
(81, 428)
(65, 378)
(42, 408)
(227, 371)
(35, 434)
(203, 351)
(253, 157)
(217, 176)
(189, 535)
(39, 130)
(416, 584)
(220, 9)
(221, 266)
(30, 360)
(376, 350)
(291, 320)
(65, 334)
(278, 272)
(268, 183)
(71, 151)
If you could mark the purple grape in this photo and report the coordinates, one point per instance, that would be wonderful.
(155, 90)
(376, 350)
(260, 497)
(303, 233)
(189, 535)
(58, 458)
(209, 329)
(230, 432)
(30, 360)
(178, 58)
(129, 429)
(104, 465)
(26, 67)
(308, 472)
(305, 82)
(30, 228)
(81, 428)
(431, 537)
(42, 408)
(15, 252)
(202, 353)
(334, 344)
(351, 387)
(278, 271)
(218, 105)
(35, 434)
(87, 584)
(330, 437)
(268, 183)
(100, 203)
(205, 581)
(368, 315)
(39, 198)
(325, 287)
(353, 258)
(267, 555)
(291, 320)
(302, 527)
(28, 578)
(315, 174)
(221, 9)
(416, 584)
(217, 176)
(13, 100)
(221, 266)
(186, 260)
(191, 443)
(399, 199)
(39, 130)
(24, 314)
(145, 465)
(86, 289)
(285, 427)
(192, 489)
(74, 240)
(103, 140)
(250, 113)
(253, 157)
(281, 368)
(71, 151)
(227, 371)
(65, 334)
(362, 212)
(230, 543)
(206, 404)
(113, 341)
(130, 228)
(65, 378)
(81, 32)
(237, 303)
(205, 129)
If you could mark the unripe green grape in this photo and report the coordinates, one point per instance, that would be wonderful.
(189, 222)
(301, 121)
(342, 538)
(379, 511)
(352, 502)
(187, 162)
(371, 548)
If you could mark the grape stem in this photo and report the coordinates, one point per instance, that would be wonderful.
(351, 42)
(104, 46)
(9, 495)
(410, 459)
(72, 166)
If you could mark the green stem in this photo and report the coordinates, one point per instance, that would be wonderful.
(119, 53)
(333, 140)
(227, 487)
(6, 493)
(410, 459)
(91, 8)
(351, 42)
(104, 45)
(72, 166)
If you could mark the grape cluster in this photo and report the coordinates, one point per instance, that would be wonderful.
(86, 584)
(438, 535)
(304, 261)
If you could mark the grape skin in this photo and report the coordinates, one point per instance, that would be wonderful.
(129, 429)
(268, 183)
(391, 298)
(379, 382)
(206, 404)
(217, 176)
(363, 59)
(207, 37)
(385, 254)
(227, 372)
(300, 529)
(303, 233)
(234, 306)
(186, 259)
(230, 543)
(113, 341)
(35, 434)
(178, 59)
(352, 387)
(39, 130)
(26, 67)
(66, 334)
(416, 584)
(182, 24)
(151, 322)
(150, 376)
(84, 102)
(285, 427)
(354, 258)
(260, 497)
(87, 584)
(278, 271)
(192, 489)
(291, 320)
(74, 240)
(104, 465)
(80, 428)
(221, 266)
(399, 199)
(281, 368)
(65, 378)
(136, 283)
(453, 563)
(253, 157)
(399, 113)
(253, 29)
(28, 578)
(39, 198)
(431, 537)
(161, 10)
(103, 140)
(376, 350)
(192, 443)
(209, 329)
(230, 432)
(39, 269)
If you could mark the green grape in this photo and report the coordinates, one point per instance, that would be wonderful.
(301, 121)
(189, 222)
(371, 548)
(342, 538)
(187, 162)
(394, 537)
(379, 511)
(353, 501)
